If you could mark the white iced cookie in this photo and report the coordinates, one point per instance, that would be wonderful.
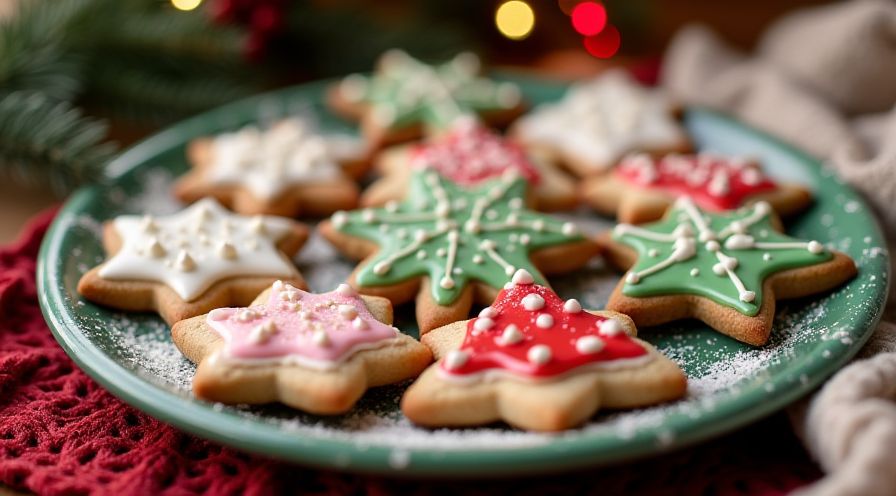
(599, 121)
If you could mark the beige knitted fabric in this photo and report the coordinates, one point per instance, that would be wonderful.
(823, 79)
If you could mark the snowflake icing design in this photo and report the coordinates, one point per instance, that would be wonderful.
(454, 235)
(724, 257)
(404, 91)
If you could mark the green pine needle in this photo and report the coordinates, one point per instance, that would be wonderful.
(47, 141)
(35, 53)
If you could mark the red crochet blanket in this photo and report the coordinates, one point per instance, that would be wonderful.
(61, 433)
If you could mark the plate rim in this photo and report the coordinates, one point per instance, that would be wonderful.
(268, 439)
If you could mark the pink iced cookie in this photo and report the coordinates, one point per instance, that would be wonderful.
(316, 330)
(470, 153)
(314, 352)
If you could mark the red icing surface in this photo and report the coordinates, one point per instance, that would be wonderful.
(471, 153)
(486, 353)
(692, 175)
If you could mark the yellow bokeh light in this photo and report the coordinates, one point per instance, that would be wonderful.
(185, 4)
(515, 19)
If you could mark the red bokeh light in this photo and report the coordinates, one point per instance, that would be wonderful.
(605, 44)
(589, 18)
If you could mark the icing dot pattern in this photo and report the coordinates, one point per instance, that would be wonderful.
(471, 153)
(268, 161)
(515, 343)
(179, 251)
(714, 182)
(449, 234)
(314, 330)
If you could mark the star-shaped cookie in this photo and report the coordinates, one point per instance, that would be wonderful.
(539, 363)
(468, 154)
(640, 189)
(726, 269)
(447, 246)
(599, 121)
(404, 95)
(313, 352)
(288, 169)
(185, 264)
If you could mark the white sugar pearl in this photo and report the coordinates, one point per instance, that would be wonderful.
(217, 314)
(511, 335)
(762, 208)
(539, 354)
(359, 324)
(488, 312)
(320, 338)
(346, 290)
(155, 249)
(589, 344)
(545, 321)
(533, 302)
(522, 277)
(610, 327)
(185, 262)
(483, 324)
(815, 247)
(572, 305)
(257, 224)
(456, 359)
(246, 315)
(227, 251)
(348, 312)
(339, 219)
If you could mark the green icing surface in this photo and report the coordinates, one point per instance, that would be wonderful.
(409, 91)
(483, 234)
(657, 276)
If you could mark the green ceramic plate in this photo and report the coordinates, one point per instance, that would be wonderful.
(730, 384)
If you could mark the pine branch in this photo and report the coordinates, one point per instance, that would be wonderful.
(35, 53)
(47, 141)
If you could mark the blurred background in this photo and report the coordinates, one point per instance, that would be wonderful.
(81, 79)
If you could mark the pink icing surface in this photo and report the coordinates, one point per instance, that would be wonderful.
(471, 153)
(324, 328)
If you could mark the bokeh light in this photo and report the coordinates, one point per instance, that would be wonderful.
(515, 19)
(185, 4)
(589, 18)
(605, 44)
